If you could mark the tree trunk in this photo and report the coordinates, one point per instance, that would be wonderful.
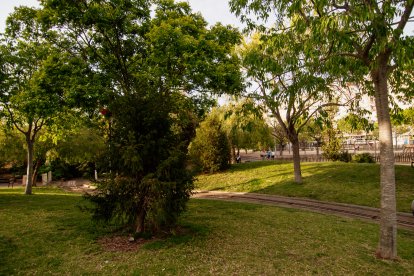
(296, 157)
(388, 222)
(233, 154)
(29, 178)
(36, 168)
(140, 222)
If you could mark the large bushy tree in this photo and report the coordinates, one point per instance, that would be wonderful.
(158, 69)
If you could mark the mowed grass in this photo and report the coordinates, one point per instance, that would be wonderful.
(332, 181)
(47, 234)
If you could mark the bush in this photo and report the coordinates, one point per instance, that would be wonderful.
(62, 169)
(210, 150)
(155, 201)
(363, 158)
(342, 156)
(149, 184)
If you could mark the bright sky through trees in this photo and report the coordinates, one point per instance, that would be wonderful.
(212, 10)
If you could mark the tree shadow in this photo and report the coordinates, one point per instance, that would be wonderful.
(254, 165)
(7, 249)
(340, 182)
(62, 211)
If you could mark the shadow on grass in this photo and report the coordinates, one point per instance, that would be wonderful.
(7, 248)
(254, 165)
(339, 182)
(57, 219)
(54, 208)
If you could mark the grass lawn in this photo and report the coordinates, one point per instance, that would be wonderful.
(331, 181)
(47, 234)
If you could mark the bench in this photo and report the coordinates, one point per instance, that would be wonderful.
(409, 149)
(266, 156)
(9, 181)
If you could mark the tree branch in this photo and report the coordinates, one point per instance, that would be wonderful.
(405, 17)
(14, 122)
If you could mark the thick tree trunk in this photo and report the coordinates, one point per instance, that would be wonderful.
(388, 222)
(296, 158)
(29, 178)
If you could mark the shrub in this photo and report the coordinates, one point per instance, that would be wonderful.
(210, 150)
(363, 158)
(342, 156)
(145, 205)
(148, 184)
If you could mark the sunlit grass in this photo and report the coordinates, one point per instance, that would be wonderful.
(47, 234)
(332, 181)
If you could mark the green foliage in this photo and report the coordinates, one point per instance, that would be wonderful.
(161, 198)
(290, 83)
(244, 126)
(210, 149)
(12, 151)
(157, 68)
(332, 148)
(354, 123)
(41, 84)
(342, 156)
(363, 158)
(62, 169)
(81, 144)
(150, 184)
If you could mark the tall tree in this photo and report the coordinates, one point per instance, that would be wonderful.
(159, 67)
(290, 85)
(366, 38)
(36, 84)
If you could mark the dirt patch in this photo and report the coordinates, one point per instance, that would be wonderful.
(121, 244)
(118, 243)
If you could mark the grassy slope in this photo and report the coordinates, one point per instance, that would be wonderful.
(338, 182)
(46, 234)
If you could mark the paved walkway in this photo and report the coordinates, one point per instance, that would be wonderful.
(404, 220)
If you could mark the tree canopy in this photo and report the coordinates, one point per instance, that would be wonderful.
(159, 63)
(364, 38)
(40, 83)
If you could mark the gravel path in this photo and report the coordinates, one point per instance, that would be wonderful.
(405, 220)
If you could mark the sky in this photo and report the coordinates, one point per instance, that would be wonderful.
(212, 10)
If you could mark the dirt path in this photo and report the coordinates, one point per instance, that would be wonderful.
(405, 220)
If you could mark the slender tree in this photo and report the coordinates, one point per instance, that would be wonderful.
(289, 84)
(36, 87)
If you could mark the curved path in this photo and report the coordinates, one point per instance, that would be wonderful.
(404, 220)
